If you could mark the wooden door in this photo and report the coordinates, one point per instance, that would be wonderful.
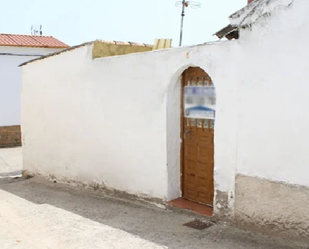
(198, 147)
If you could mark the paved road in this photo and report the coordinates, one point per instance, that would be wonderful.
(36, 214)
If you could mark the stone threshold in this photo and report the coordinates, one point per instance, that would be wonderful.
(193, 206)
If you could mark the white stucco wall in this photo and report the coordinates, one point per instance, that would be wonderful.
(116, 120)
(106, 120)
(274, 103)
(10, 80)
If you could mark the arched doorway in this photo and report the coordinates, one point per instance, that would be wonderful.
(198, 101)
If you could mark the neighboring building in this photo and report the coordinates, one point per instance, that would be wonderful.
(14, 50)
(119, 121)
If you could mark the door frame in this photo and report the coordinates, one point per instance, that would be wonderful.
(182, 146)
(182, 135)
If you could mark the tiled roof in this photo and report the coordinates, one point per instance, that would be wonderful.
(31, 41)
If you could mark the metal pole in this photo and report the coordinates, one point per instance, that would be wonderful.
(181, 24)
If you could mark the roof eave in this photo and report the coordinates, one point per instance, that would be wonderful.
(225, 31)
(28, 46)
(56, 53)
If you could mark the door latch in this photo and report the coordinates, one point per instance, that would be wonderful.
(188, 132)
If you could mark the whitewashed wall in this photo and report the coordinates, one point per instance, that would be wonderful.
(116, 120)
(274, 103)
(106, 120)
(10, 80)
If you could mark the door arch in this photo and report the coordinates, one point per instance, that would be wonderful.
(197, 136)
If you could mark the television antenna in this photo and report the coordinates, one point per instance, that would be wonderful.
(184, 4)
(36, 30)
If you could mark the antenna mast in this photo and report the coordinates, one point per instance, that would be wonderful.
(36, 30)
(184, 4)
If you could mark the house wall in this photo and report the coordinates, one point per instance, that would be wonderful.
(272, 159)
(110, 118)
(10, 90)
(115, 121)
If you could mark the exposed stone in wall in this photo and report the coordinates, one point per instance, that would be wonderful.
(272, 207)
(10, 136)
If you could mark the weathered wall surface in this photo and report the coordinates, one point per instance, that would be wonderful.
(275, 207)
(10, 80)
(273, 121)
(273, 103)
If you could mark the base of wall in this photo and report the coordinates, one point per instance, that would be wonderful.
(10, 136)
(222, 211)
(271, 207)
(101, 188)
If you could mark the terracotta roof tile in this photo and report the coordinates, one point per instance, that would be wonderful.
(31, 41)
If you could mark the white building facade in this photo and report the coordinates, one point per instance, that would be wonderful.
(115, 121)
(14, 50)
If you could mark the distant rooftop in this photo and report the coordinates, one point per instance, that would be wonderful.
(31, 41)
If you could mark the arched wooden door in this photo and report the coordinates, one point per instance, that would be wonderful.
(197, 164)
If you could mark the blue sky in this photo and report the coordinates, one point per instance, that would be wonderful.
(78, 21)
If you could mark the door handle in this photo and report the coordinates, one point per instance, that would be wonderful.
(188, 134)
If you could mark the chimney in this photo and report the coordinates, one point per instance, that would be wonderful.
(249, 1)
